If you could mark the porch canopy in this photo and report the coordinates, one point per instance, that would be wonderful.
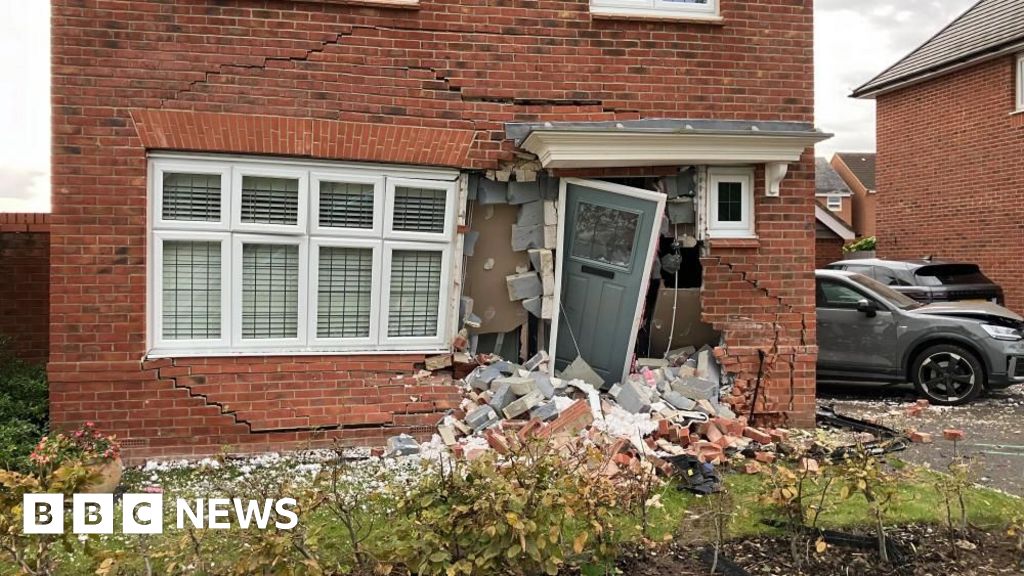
(663, 142)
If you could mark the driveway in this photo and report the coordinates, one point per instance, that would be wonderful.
(994, 428)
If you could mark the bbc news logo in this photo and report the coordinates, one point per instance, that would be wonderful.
(144, 513)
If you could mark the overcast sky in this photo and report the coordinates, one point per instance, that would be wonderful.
(855, 41)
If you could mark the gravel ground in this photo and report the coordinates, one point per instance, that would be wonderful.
(994, 428)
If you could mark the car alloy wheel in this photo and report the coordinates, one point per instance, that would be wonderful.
(948, 376)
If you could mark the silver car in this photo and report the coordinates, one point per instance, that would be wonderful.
(952, 352)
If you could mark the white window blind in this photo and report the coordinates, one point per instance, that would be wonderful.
(267, 200)
(346, 205)
(191, 291)
(270, 291)
(415, 293)
(419, 210)
(344, 292)
(191, 197)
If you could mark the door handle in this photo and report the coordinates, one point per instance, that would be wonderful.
(598, 272)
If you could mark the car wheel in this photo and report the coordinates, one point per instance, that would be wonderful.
(948, 375)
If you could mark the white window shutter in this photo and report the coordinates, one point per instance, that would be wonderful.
(270, 291)
(191, 197)
(346, 205)
(419, 210)
(415, 292)
(191, 291)
(344, 292)
(268, 200)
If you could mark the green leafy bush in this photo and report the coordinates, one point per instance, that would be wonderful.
(531, 513)
(23, 408)
(864, 244)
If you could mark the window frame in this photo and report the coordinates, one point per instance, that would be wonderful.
(238, 174)
(314, 292)
(307, 235)
(745, 228)
(1019, 76)
(157, 318)
(658, 8)
(838, 207)
(238, 241)
(385, 297)
(825, 304)
(191, 167)
(346, 177)
(449, 210)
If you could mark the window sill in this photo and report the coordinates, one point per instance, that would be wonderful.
(602, 13)
(157, 353)
(735, 243)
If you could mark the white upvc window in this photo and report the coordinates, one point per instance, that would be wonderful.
(260, 257)
(730, 203)
(834, 203)
(689, 9)
(1020, 83)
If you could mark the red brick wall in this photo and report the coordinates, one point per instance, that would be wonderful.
(446, 65)
(951, 172)
(827, 251)
(25, 289)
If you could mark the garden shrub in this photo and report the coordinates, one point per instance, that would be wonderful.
(529, 512)
(23, 408)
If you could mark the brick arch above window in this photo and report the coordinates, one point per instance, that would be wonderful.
(190, 131)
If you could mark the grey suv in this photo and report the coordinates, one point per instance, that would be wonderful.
(927, 280)
(952, 352)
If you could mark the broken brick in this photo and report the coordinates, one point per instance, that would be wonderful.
(764, 457)
(779, 436)
(809, 465)
(752, 468)
(757, 435)
(574, 419)
(953, 435)
(497, 442)
(921, 437)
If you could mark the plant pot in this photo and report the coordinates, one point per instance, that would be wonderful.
(108, 476)
(860, 254)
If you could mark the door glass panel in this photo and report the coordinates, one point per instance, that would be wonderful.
(605, 235)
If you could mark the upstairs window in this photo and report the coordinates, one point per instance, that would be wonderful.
(698, 9)
(273, 258)
(834, 203)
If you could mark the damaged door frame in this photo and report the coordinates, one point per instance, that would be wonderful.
(645, 282)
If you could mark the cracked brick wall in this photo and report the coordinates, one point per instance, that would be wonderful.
(951, 171)
(307, 79)
(760, 295)
(25, 290)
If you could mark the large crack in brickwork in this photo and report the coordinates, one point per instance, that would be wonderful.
(439, 75)
(206, 399)
(773, 352)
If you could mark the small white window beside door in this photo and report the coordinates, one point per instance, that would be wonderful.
(262, 258)
(730, 203)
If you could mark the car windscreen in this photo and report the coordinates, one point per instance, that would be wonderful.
(895, 298)
(947, 274)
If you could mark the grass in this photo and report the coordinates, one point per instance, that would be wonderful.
(916, 502)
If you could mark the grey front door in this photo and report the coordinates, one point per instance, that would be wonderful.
(606, 246)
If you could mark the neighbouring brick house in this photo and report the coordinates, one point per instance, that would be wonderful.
(268, 214)
(832, 214)
(950, 165)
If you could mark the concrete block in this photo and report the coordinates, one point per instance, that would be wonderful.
(696, 388)
(522, 405)
(543, 261)
(539, 212)
(447, 434)
(402, 445)
(678, 401)
(492, 192)
(541, 306)
(501, 395)
(634, 398)
(523, 286)
(523, 192)
(580, 370)
(519, 385)
(681, 212)
(540, 236)
(543, 384)
(481, 418)
(481, 378)
(535, 362)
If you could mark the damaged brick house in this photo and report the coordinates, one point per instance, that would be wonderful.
(269, 214)
(950, 168)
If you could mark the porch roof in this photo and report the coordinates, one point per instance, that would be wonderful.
(663, 142)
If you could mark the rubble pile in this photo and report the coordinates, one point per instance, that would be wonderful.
(670, 409)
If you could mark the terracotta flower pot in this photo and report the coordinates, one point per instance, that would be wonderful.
(108, 476)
